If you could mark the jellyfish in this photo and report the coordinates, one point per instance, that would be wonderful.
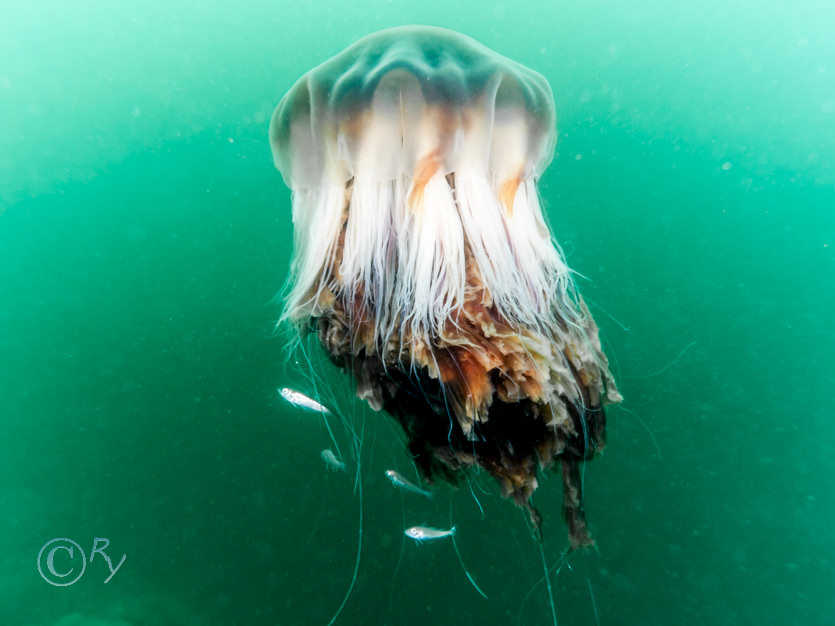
(425, 265)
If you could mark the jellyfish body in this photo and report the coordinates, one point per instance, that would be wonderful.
(424, 263)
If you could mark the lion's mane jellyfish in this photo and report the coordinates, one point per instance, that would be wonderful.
(424, 263)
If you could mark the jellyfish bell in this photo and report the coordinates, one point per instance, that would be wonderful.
(424, 263)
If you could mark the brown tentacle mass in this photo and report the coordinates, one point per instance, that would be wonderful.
(480, 393)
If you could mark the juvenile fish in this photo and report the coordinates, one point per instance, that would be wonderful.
(331, 461)
(424, 533)
(399, 481)
(297, 398)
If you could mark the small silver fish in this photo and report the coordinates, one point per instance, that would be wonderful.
(399, 481)
(424, 533)
(297, 398)
(331, 461)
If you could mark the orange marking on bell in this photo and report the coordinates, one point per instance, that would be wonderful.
(507, 192)
(425, 169)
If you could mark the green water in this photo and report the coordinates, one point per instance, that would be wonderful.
(144, 234)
